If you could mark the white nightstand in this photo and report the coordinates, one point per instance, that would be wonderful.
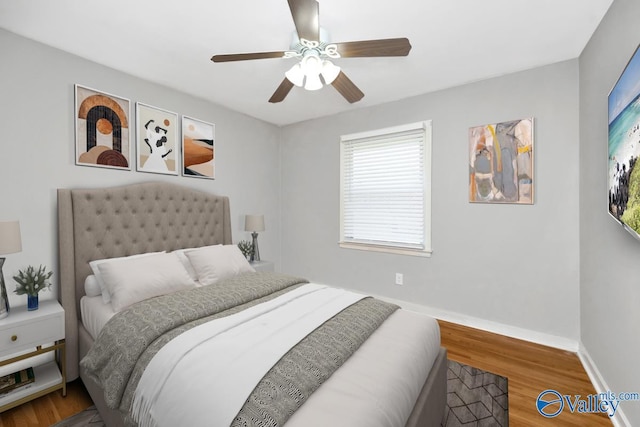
(25, 333)
(262, 265)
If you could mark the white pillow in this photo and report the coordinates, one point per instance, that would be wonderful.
(106, 297)
(181, 253)
(91, 286)
(214, 263)
(132, 280)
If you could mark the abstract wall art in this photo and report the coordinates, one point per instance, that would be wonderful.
(501, 162)
(198, 154)
(156, 140)
(624, 147)
(102, 129)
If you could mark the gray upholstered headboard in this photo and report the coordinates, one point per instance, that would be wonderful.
(127, 220)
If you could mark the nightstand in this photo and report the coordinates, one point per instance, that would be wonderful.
(262, 265)
(23, 334)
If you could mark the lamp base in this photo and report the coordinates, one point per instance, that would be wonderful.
(256, 252)
(4, 299)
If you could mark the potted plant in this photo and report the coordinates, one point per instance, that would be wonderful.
(246, 247)
(31, 281)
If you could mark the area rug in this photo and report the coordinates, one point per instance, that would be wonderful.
(475, 398)
(88, 417)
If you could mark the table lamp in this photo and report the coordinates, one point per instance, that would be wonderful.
(254, 223)
(10, 242)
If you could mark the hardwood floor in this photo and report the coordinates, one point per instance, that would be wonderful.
(47, 410)
(530, 368)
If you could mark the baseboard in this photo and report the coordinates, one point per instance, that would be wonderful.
(489, 326)
(619, 419)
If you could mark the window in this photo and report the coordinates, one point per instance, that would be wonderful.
(385, 190)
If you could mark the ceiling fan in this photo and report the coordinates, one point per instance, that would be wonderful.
(315, 53)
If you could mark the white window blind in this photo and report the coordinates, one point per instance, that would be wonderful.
(385, 191)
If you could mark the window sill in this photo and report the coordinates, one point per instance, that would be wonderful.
(387, 249)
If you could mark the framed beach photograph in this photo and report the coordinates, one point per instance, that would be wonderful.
(198, 153)
(501, 162)
(624, 147)
(156, 140)
(102, 129)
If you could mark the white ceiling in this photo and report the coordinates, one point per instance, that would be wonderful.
(171, 43)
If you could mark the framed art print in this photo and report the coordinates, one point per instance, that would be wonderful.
(624, 147)
(198, 153)
(501, 162)
(156, 140)
(102, 129)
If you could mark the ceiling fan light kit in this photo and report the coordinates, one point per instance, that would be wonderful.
(307, 72)
(311, 44)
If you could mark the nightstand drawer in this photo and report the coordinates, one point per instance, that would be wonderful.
(23, 329)
(30, 335)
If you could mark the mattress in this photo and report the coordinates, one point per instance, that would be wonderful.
(95, 314)
(398, 356)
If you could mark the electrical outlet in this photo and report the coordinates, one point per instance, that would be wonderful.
(399, 279)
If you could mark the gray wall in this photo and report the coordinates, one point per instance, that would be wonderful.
(37, 149)
(610, 257)
(513, 265)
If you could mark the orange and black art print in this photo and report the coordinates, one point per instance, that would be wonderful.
(198, 155)
(102, 129)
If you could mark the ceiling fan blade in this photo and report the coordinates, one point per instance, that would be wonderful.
(370, 48)
(347, 88)
(305, 15)
(246, 56)
(281, 93)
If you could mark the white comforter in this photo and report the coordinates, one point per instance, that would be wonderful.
(237, 351)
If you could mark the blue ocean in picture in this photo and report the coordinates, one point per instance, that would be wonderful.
(624, 150)
(621, 131)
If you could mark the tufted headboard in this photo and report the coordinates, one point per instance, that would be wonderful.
(121, 221)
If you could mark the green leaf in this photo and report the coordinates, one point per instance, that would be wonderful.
(31, 281)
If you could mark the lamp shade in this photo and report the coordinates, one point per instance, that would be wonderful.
(313, 82)
(329, 71)
(295, 75)
(312, 66)
(254, 223)
(10, 241)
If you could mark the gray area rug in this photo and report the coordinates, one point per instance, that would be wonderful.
(475, 398)
(88, 417)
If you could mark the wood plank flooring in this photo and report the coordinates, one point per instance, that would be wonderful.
(530, 368)
(47, 410)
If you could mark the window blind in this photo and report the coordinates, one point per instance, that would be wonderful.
(383, 181)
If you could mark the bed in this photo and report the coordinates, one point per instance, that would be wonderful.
(123, 221)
